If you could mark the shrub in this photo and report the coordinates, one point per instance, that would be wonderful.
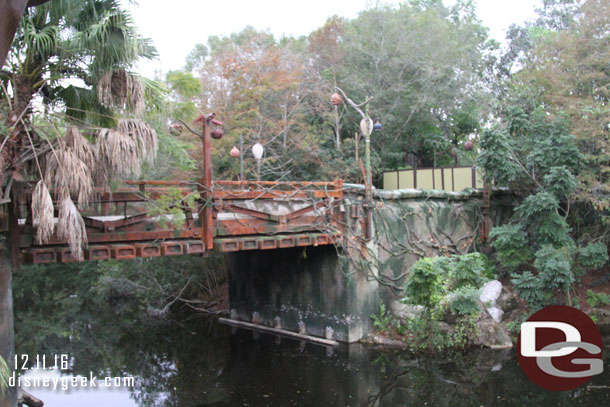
(593, 255)
(424, 284)
(554, 267)
(464, 301)
(472, 269)
(511, 244)
(384, 320)
(531, 288)
(596, 299)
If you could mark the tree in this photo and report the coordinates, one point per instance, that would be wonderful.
(263, 91)
(9, 20)
(58, 44)
(425, 65)
(570, 73)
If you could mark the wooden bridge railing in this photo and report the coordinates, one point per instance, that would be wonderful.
(242, 215)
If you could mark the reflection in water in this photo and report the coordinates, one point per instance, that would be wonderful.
(200, 363)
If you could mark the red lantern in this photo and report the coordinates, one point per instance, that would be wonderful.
(336, 99)
(235, 153)
(217, 133)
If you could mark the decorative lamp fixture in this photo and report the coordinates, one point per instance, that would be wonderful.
(468, 145)
(235, 153)
(336, 99)
(217, 133)
(258, 150)
(377, 126)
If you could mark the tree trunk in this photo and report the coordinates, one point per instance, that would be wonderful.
(12, 11)
(7, 339)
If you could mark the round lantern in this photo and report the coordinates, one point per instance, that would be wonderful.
(336, 99)
(217, 133)
(235, 152)
(468, 145)
(377, 126)
(258, 150)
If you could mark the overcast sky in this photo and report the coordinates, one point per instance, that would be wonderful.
(177, 28)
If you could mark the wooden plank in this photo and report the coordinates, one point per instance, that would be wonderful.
(274, 194)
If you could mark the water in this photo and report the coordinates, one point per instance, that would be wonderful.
(198, 362)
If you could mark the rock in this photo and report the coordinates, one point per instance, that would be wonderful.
(507, 301)
(496, 313)
(490, 292)
(406, 311)
(444, 327)
(491, 334)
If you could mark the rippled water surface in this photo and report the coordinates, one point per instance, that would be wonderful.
(199, 362)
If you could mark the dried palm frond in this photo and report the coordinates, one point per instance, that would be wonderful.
(80, 146)
(42, 213)
(71, 227)
(66, 172)
(121, 89)
(145, 136)
(119, 152)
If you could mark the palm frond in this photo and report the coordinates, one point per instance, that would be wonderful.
(65, 171)
(122, 89)
(42, 213)
(71, 227)
(80, 146)
(144, 135)
(118, 152)
(40, 44)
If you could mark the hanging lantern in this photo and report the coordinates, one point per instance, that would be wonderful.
(258, 150)
(468, 145)
(366, 127)
(235, 153)
(217, 133)
(336, 99)
(377, 126)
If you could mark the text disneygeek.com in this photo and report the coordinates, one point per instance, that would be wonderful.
(53, 372)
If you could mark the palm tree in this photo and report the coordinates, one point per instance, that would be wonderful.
(70, 69)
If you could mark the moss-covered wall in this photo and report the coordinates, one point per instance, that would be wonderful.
(339, 288)
(411, 224)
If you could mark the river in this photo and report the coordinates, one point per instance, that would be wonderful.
(199, 362)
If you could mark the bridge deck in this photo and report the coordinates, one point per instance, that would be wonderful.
(229, 216)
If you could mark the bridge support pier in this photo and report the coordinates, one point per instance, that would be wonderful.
(302, 289)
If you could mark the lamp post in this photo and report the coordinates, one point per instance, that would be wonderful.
(366, 128)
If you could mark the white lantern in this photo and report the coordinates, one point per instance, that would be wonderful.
(257, 151)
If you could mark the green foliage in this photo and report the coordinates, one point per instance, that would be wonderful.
(512, 245)
(383, 321)
(531, 288)
(493, 157)
(427, 335)
(171, 205)
(464, 300)
(554, 266)
(596, 299)
(472, 270)
(593, 256)
(425, 283)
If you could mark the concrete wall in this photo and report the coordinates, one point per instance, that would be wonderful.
(322, 287)
(309, 285)
(411, 224)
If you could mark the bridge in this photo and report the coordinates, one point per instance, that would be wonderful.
(309, 258)
(200, 217)
(230, 216)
